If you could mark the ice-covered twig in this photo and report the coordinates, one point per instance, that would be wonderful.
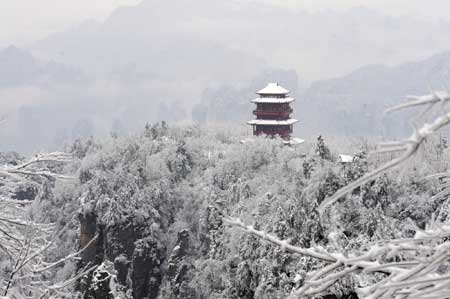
(284, 244)
(411, 146)
(22, 240)
(415, 101)
(59, 157)
(417, 266)
(61, 285)
(66, 258)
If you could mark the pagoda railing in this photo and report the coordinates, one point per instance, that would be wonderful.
(284, 134)
(281, 113)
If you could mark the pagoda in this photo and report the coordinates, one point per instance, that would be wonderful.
(273, 112)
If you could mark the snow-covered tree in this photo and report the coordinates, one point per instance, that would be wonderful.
(26, 269)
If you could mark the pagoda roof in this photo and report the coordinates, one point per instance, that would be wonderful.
(272, 122)
(273, 100)
(346, 158)
(294, 141)
(273, 88)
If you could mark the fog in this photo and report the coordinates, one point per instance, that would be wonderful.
(71, 69)
(24, 21)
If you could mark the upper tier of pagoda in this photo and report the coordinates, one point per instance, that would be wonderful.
(273, 89)
(273, 93)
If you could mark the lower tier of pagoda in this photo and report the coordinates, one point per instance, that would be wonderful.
(273, 122)
(281, 115)
(270, 127)
(282, 131)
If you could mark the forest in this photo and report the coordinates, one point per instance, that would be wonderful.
(193, 212)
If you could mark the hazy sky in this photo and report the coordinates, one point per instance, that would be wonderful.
(421, 8)
(23, 21)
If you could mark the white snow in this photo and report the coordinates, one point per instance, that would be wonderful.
(273, 88)
(346, 158)
(272, 122)
(273, 100)
(243, 141)
(294, 141)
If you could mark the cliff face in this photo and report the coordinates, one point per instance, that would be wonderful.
(137, 257)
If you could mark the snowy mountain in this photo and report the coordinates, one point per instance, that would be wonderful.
(354, 104)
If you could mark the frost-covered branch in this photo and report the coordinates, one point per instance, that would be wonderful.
(66, 258)
(23, 241)
(426, 100)
(284, 244)
(408, 268)
(55, 288)
(409, 148)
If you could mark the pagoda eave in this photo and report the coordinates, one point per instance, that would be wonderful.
(269, 122)
(273, 100)
(273, 89)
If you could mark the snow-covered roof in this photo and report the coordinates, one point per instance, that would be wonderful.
(246, 140)
(346, 158)
(294, 141)
(273, 100)
(272, 122)
(273, 88)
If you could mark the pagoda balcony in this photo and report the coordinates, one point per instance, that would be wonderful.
(270, 113)
(283, 134)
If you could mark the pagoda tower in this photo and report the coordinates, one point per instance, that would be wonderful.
(273, 112)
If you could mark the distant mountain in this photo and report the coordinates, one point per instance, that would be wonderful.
(353, 105)
(348, 106)
(202, 60)
(16, 67)
(19, 67)
(229, 104)
(229, 40)
(156, 40)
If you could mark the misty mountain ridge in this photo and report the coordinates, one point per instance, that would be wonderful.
(317, 45)
(360, 98)
(19, 67)
(348, 106)
(351, 105)
(203, 62)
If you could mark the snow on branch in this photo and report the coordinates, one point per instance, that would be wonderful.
(408, 147)
(409, 268)
(24, 242)
(414, 265)
(284, 244)
(427, 100)
(29, 168)
(65, 259)
(50, 157)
